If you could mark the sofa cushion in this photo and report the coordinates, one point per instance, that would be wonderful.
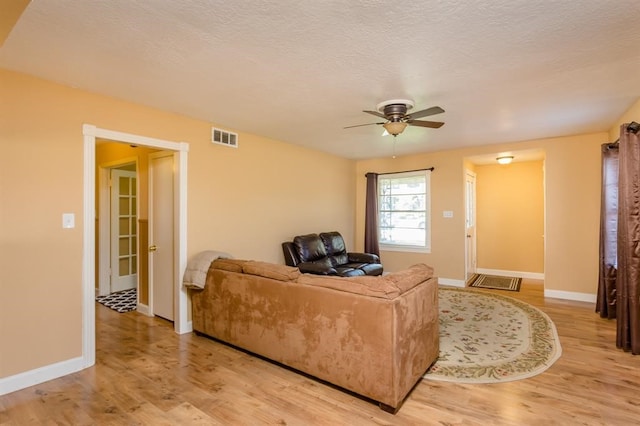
(339, 259)
(231, 265)
(320, 267)
(372, 268)
(271, 270)
(309, 247)
(388, 286)
(348, 271)
(364, 285)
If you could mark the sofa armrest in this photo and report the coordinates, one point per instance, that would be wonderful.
(363, 257)
(316, 268)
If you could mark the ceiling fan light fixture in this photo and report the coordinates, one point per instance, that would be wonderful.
(395, 127)
(505, 159)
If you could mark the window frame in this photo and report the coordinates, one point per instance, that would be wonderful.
(426, 248)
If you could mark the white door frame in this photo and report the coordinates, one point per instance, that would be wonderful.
(104, 231)
(90, 133)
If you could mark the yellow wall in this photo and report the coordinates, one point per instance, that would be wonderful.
(572, 208)
(632, 114)
(446, 194)
(510, 216)
(245, 201)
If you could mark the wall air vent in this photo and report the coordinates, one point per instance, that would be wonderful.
(224, 137)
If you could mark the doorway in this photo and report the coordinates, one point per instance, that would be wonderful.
(470, 224)
(510, 215)
(161, 235)
(179, 152)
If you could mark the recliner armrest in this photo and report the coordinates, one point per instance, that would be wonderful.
(316, 268)
(363, 257)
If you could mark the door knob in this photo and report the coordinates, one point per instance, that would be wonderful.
(468, 235)
(153, 248)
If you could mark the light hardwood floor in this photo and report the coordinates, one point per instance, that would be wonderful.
(146, 374)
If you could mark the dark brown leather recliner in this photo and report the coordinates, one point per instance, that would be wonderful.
(326, 254)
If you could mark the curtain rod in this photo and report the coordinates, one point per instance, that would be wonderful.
(405, 171)
(632, 127)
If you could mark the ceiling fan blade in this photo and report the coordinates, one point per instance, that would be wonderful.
(376, 113)
(426, 112)
(431, 124)
(360, 125)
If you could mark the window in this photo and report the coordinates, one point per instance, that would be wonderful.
(404, 211)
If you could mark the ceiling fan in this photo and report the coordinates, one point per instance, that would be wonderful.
(397, 119)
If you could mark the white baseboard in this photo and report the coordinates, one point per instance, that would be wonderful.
(518, 274)
(40, 375)
(570, 295)
(451, 282)
(143, 309)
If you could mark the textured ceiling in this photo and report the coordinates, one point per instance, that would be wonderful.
(300, 71)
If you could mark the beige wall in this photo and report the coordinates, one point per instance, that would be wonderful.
(510, 216)
(572, 208)
(245, 201)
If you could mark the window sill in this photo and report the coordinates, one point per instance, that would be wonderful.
(406, 249)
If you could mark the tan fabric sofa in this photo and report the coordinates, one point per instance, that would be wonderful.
(375, 336)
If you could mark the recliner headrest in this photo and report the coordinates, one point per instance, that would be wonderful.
(333, 243)
(309, 247)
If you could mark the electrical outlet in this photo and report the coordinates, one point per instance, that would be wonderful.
(447, 213)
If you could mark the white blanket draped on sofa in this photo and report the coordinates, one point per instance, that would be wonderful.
(195, 276)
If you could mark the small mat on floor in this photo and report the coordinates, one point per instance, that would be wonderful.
(122, 301)
(495, 282)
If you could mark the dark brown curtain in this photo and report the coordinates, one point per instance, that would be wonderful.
(371, 244)
(606, 301)
(628, 282)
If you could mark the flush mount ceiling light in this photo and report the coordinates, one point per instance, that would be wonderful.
(506, 159)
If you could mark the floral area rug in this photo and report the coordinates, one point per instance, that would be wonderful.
(491, 338)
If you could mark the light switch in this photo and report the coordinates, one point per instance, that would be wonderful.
(447, 213)
(68, 220)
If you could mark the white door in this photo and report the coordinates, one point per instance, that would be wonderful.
(124, 233)
(161, 235)
(470, 224)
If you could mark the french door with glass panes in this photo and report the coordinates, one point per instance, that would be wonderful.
(124, 234)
